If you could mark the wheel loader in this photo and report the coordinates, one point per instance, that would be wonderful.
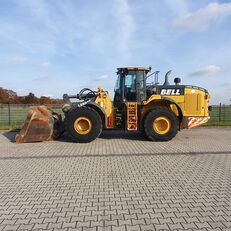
(157, 110)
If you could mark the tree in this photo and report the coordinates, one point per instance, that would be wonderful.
(31, 99)
(45, 100)
(7, 96)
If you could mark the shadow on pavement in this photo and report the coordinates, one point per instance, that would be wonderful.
(117, 134)
(10, 135)
(113, 134)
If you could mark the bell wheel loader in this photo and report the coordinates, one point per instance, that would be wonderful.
(157, 110)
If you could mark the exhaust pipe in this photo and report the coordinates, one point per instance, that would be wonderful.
(166, 82)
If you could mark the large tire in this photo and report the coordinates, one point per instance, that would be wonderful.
(160, 124)
(83, 124)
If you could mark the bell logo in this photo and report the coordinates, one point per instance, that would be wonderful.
(170, 92)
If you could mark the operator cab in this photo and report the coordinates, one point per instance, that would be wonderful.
(130, 85)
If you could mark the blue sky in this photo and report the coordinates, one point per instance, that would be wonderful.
(51, 47)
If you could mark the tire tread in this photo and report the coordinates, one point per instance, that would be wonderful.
(154, 113)
(96, 126)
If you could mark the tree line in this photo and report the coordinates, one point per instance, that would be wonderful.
(10, 97)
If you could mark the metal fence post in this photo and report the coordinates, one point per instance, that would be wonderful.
(9, 116)
(220, 112)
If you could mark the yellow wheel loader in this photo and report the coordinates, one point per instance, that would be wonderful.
(158, 111)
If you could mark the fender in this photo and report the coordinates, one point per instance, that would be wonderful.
(100, 110)
(181, 115)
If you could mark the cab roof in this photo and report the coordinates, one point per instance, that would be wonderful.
(135, 68)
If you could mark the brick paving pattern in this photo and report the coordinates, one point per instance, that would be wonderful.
(128, 184)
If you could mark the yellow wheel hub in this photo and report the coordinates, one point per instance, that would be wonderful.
(83, 125)
(161, 125)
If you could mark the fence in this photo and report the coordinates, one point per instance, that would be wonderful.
(13, 115)
(220, 115)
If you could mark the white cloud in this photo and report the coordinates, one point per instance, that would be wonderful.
(207, 70)
(102, 77)
(48, 95)
(17, 61)
(45, 65)
(203, 17)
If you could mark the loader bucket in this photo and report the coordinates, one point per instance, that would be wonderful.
(41, 125)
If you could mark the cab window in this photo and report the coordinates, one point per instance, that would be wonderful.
(130, 86)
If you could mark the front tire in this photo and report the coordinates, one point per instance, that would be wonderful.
(83, 124)
(160, 124)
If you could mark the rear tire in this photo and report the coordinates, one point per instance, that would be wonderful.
(83, 124)
(160, 124)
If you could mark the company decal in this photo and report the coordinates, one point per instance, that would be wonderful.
(83, 103)
(170, 92)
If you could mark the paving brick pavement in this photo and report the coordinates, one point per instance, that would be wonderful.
(66, 186)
